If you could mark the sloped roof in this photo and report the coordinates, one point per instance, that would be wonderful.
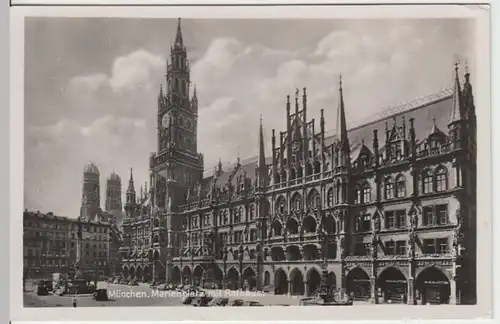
(437, 106)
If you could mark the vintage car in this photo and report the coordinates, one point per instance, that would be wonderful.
(133, 283)
(100, 295)
(203, 301)
(220, 302)
(42, 289)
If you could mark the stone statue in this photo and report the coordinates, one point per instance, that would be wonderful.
(413, 221)
(373, 246)
(376, 223)
(342, 247)
(199, 190)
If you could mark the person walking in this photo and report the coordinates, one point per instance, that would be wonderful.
(74, 302)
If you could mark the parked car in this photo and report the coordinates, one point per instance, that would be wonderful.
(100, 295)
(202, 301)
(238, 302)
(133, 283)
(252, 303)
(160, 287)
(268, 289)
(220, 302)
(42, 289)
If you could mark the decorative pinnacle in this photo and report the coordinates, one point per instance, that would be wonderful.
(340, 81)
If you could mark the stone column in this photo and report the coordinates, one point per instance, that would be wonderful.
(373, 290)
(224, 281)
(453, 292)
(411, 300)
(373, 284)
(289, 287)
(306, 288)
(411, 294)
(154, 270)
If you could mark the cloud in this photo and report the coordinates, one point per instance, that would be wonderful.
(135, 71)
(110, 116)
(132, 72)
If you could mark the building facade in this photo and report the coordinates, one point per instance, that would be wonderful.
(51, 245)
(387, 207)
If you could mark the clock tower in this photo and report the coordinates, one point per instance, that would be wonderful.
(177, 165)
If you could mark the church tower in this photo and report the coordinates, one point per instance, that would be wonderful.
(90, 192)
(114, 196)
(177, 165)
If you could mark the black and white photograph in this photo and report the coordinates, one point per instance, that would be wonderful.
(219, 162)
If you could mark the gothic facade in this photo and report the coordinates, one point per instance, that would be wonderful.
(387, 207)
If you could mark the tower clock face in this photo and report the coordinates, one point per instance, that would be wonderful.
(165, 121)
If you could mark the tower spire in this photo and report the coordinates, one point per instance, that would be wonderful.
(456, 109)
(341, 129)
(261, 172)
(131, 188)
(262, 154)
(178, 37)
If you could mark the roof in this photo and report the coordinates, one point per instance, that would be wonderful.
(429, 113)
(91, 168)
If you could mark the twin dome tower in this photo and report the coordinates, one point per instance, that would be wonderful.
(91, 196)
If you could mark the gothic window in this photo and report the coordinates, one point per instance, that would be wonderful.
(441, 179)
(277, 178)
(292, 174)
(225, 219)
(251, 214)
(390, 221)
(357, 195)
(363, 223)
(330, 197)
(176, 84)
(367, 193)
(309, 169)
(317, 167)
(297, 202)
(338, 188)
(314, 200)
(400, 186)
(427, 181)
(299, 172)
(389, 188)
(281, 205)
(396, 151)
(184, 88)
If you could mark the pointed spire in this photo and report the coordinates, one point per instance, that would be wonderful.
(434, 126)
(262, 154)
(195, 97)
(219, 166)
(178, 37)
(160, 95)
(341, 129)
(131, 188)
(456, 109)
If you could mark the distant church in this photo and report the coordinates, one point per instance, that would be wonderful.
(91, 202)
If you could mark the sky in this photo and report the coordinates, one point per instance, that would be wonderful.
(91, 86)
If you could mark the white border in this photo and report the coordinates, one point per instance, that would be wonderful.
(370, 312)
(226, 2)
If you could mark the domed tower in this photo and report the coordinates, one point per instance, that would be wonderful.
(114, 196)
(90, 192)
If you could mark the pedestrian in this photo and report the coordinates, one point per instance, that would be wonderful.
(74, 302)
